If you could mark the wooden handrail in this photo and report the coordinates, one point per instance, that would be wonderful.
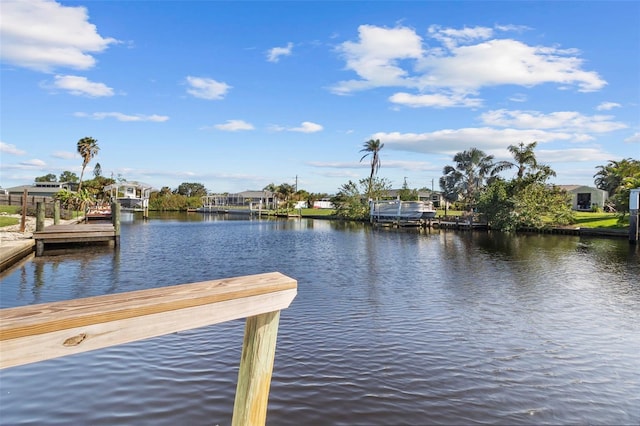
(39, 332)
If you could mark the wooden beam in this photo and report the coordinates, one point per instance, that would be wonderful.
(38, 332)
(256, 367)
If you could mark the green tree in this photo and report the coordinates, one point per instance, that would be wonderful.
(87, 148)
(97, 170)
(46, 178)
(525, 201)
(372, 149)
(408, 194)
(95, 186)
(284, 192)
(615, 178)
(468, 177)
(68, 176)
(351, 201)
(525, 158)
(191, 189)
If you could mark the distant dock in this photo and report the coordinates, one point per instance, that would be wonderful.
(77, 233)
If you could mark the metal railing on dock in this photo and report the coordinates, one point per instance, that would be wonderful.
(39, 332)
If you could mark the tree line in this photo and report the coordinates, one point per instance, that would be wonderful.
(473, 183)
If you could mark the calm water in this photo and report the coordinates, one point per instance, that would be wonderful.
(389, 327)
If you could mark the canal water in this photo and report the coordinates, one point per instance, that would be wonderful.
(389, 327)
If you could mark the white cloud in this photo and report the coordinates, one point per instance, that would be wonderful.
(450, 141)
(307, 127)
(123, 117)
(452, 37)
(43, 35)
(376, 55)
(33, 163)
(274, 54)
(8, 148)
(635, 138)
(437, 100)
(561, 120)
(207, 88)
(505, 61)
(571, 155)
(65, 155)
(80, 86)
(518, 97)
(234, 125)
(468, 60)
(606, 106)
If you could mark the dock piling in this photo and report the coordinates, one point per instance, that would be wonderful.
(56, 212)
(40, 210)
(115, 219)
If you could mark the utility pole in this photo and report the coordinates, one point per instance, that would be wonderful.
(296, 183)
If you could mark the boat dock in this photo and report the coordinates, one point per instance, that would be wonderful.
(453, 222)
(75, 233)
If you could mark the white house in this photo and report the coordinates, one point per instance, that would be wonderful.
(585, 198)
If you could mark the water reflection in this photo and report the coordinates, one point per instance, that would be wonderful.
(389, 327)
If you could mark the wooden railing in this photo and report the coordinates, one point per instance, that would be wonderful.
(39, 332)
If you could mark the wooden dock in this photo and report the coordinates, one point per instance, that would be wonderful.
(78, 233)
(75, 233)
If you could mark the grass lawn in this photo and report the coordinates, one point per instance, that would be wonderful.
(599, 220)
(317, 212)
(8, 221)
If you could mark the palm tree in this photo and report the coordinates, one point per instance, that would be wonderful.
(372, 148)
(529, 170)
(87, 148)
(610, 176)
(473, 167)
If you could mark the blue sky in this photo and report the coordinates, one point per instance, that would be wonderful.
(237, 95)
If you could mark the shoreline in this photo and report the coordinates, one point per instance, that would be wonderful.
(16, 245)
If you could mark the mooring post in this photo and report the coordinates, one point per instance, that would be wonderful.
(256, 367)
(23, 220)
(634, 210)
(39, 216)
(56, 212)
(115, 219)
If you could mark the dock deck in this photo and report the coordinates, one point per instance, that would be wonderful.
(75, 233)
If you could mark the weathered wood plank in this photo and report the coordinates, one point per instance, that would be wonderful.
(75, 235)
(48, 345)
(50, 317)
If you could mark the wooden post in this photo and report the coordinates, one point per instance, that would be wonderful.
(634, 210)
(56, 212)
(40, 216)
(115, 218)
(256, 367)
(23, 220)
(39, 248)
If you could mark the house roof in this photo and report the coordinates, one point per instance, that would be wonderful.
(574, 188)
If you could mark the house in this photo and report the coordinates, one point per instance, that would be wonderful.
(42, 189)
(132, 196)
(265, 199)
(324, 203)
(585, 198)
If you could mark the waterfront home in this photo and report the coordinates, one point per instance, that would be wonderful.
(132, 196)
(585, 198)
(42, 189)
